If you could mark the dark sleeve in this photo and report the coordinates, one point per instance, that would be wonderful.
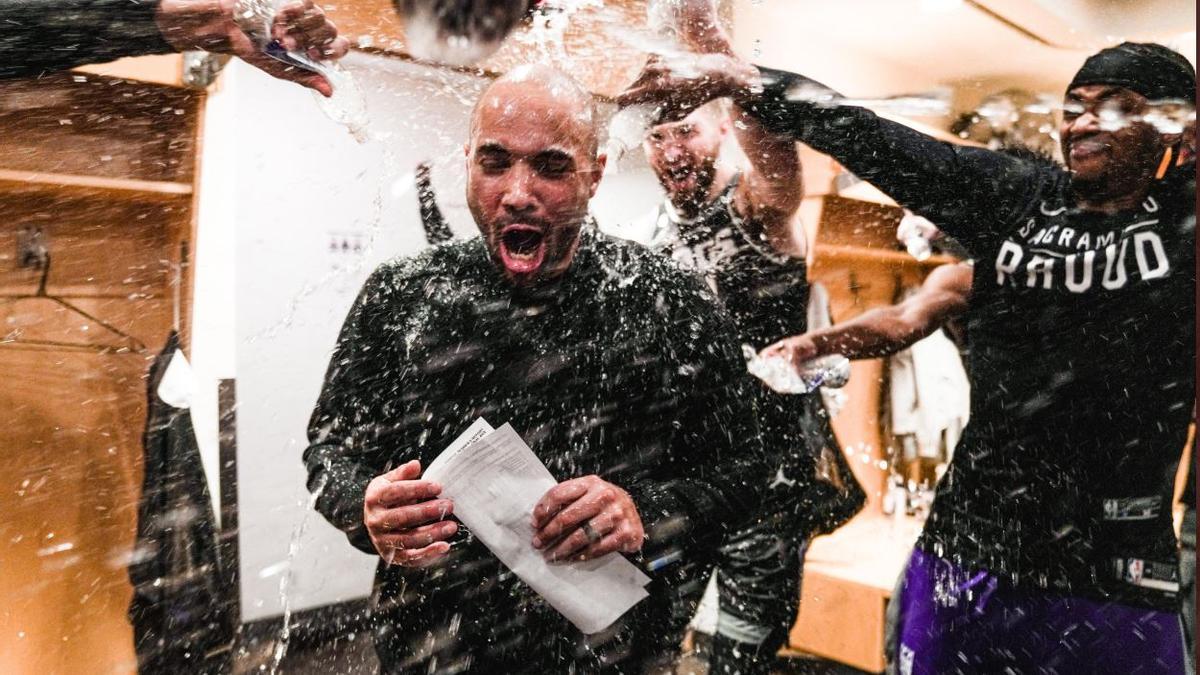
(347, 446)
(37, 36)
(968, 192)
(718, 471)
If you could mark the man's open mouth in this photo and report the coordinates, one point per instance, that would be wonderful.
(680, 175)
(1087, 146)
(522, 248)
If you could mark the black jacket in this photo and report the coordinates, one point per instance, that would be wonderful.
(181, 604)
(39, 36)
(623, 369)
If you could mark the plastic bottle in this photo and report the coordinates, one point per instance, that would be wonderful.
(831, 371)
(347, 106)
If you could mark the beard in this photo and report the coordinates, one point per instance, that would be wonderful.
(690, 199)
(460, 32)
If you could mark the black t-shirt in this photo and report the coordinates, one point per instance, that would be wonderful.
(765, 293)
(766, 296)
(1082, 358)
(623, 369)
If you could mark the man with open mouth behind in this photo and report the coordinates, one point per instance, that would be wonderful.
(610, 362)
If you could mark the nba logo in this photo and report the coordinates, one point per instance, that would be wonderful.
(1133, 570)
(906, 660)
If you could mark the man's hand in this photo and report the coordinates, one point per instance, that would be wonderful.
(407, 524)
(682, 84)
(796, 349)
(586, 518)
(210, 25)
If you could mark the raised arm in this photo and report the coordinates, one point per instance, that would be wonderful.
(887, 330)
(772, 187)
(972, 192)
(46, 35)
(39, 36)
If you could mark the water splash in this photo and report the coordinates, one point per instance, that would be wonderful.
(285, 581)
(936, 103)
(779, 374)
(549, 24)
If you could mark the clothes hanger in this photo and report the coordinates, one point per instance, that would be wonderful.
(129, 343)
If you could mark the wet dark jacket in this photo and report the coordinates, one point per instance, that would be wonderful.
(39, 36)
(622, 369)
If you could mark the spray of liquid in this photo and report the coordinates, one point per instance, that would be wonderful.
(285, 581)
(659, 37)
(347, 106)
(776, 372)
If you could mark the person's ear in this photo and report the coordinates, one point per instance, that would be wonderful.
(1177, 149)
(597, 174)
(1187, 144)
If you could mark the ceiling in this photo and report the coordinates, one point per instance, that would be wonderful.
(864, 48)
(874, 48)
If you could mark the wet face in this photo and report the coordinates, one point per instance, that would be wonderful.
(1104, 141)
(684, 155)
(531, 169)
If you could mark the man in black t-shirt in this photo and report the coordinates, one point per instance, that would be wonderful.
(1049, 546)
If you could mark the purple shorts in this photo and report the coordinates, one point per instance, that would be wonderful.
(952, 621)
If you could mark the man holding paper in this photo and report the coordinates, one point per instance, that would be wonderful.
(610, 363)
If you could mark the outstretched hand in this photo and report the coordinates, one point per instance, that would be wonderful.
(796, 350)
(211, 25)
(680, 84)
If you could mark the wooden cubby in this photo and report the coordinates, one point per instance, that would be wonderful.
(106, 168)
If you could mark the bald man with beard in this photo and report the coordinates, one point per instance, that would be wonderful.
(610, 362)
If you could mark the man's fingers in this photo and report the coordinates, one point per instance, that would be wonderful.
(334, 50)
(557, 498)
(403, 492)
(408, 517)
(571, 545)
(611, 543)
(289, 14)
(574, 515)
(588, 533)
(300, 76)
(319, 36)
(406, 471)
(421, 537)
(303, 27)
(422, 557)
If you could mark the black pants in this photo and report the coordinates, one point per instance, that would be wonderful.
(1187, 581)
(759, 568)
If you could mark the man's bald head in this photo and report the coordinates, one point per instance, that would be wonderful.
(532, 168)
(540, 90)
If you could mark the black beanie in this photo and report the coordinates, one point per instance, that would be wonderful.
(1151, 70)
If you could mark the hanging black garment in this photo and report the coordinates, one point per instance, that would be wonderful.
(179, 611)
(436, 229)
